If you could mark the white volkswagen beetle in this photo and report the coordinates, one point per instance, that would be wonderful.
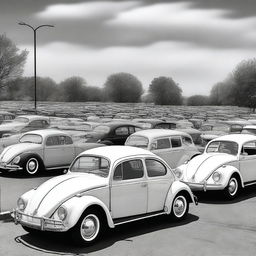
(105, 186)
(228, 164)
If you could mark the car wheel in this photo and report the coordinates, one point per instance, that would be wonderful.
(180, 207)
(31, 166)
(88, 229)
(232, 188)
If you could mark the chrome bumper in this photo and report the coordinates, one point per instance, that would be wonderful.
(13, 167)
(204, 186)
(40, 223)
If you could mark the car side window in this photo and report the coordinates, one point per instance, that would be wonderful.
(131, 130)
(155, 168)
(68, 140)
(186, 140)
(249, 148)
(163, 143)
(176, 142)
(122, 131)
(132, 169)
(236, 128)
(52, 141)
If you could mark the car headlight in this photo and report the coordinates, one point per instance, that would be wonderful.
(216, 176)
(62, 213)
(16, 160)
(21, 204)
(178, 173)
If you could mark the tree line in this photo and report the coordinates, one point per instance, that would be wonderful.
(239, 88)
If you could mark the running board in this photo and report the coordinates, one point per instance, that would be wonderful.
(124, 220)
(249, 183)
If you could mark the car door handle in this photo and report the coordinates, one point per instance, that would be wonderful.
(144, 185)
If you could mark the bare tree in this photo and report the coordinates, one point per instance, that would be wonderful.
(11, 60)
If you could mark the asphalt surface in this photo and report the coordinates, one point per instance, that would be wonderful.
(214, 227)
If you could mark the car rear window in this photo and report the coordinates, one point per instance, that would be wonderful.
(137, 141)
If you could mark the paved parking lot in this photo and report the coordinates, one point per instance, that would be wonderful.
(214, 227)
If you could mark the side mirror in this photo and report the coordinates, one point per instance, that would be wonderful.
(65, 171)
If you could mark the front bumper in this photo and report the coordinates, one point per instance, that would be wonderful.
(40, 223)
(13, 167)
(204, 186)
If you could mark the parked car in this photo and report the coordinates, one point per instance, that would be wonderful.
(153, 123)
(174, 146)
(112, 133)
(42, 149)
(22, 124)
(6, 116)
(106, 186)
(227, 164)
(249, 129)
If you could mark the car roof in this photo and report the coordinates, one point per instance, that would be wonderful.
(155, 133)
(114, 124)
(47, 132)
(249, 127)
(239, 138)
(117, 152)
(35, 117)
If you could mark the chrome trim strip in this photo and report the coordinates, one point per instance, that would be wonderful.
(140, 218)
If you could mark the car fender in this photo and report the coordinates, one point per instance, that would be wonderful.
(177, 187)
(26, 155)
(226, 172)
(78, 204)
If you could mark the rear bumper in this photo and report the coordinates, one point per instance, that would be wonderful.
(39, 223)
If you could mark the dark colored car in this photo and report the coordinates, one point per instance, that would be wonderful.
(112, 133)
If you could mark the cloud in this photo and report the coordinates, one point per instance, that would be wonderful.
(195, 69)
(180, 21)
(85, 10)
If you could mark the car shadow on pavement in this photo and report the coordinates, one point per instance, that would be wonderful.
(21, 175)
(217, 197)
(60, 243)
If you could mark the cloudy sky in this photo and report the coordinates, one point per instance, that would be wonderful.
(196, 42)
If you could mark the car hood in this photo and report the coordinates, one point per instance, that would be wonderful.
(52, 193)
(201, 167)
(16, 149)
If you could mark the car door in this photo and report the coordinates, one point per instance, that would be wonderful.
(129, 189)
(159, 183)
(247, 162)
(59, 151)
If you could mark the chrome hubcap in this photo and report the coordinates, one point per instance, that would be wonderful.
(179, 206)
(232, 187)
(32, 166)
(90, 227)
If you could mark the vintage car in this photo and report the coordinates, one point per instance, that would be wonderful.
(24, 123)
(104, 187)
(174, 146)
(6, 116)
(249, 129)
(42, 150)
(227, 164)
(112, 133)
(154, 123)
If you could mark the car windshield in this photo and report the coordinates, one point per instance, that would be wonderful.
(228, 147)
(137, 141)
(102, 128)
(31, 138)
(21, 120)
(91, 164)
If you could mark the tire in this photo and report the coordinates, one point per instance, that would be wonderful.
(31, 166)
(232, 189)
(88, 228)
(180, 207)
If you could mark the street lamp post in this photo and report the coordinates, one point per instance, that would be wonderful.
(34, 30)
